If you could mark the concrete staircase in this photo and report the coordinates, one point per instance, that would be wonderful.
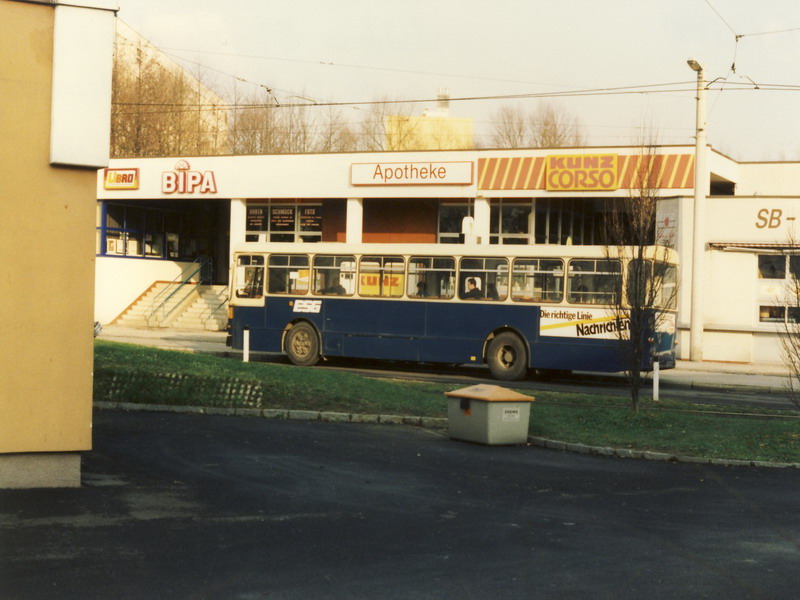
(208, 312)
(187, 306)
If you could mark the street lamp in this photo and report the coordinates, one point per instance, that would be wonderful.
(697, 323)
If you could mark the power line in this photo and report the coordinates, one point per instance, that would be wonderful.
(613, 91)
(352, 66)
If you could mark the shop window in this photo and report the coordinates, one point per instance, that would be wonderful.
(293, 222)
(772, 314)
(382, 276)
(450, 218)
(771, 266)
(431, 277)
(794, 267)
(779, 314)
(537, 280)
(593, 281)
(569, 221)
(511, 222)
(155, 232)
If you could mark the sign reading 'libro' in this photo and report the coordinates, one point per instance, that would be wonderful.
(411, 173)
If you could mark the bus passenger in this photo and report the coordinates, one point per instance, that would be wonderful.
(421, 293)
(491, 292)
(473, 291)
(336, 289)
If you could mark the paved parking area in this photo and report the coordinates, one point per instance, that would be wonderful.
(193, 506)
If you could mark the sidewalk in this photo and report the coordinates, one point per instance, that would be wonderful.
(762, 377)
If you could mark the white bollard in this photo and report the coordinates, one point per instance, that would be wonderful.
(655, 381)
(246, 344)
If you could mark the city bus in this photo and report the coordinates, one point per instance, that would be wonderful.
(512, 308)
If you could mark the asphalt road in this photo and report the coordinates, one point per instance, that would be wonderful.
(186, 506)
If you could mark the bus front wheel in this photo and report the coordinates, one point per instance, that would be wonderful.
(507, 357)
(302, 345)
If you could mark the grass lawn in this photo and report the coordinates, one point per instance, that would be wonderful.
(129, 373)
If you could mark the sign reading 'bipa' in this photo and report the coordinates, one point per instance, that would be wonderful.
(412, 173)
(185, 181)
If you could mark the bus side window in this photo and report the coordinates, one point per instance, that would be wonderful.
(537, 280)
(334, 275)
(249, 276)
(484, 278)
(381, 276)
(431, 277)
(593, 281)
(288, 274)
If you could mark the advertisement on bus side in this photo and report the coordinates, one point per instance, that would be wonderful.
(593, 323)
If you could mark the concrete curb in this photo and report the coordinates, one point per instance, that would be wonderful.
(650, 455)
(432, 423)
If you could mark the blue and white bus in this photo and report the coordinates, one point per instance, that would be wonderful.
(513, 308)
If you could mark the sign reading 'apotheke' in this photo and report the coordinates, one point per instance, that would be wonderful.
(411, 173)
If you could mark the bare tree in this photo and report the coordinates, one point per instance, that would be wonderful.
(158, 109)
(555, 128)
(253, 125)
(643, 306)
(336, 134)
(510, 128)
(387, 126)
(790, 340)
(546, 127)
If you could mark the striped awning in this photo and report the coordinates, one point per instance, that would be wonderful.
(668, 171)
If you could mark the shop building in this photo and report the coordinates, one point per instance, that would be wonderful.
(156, 216)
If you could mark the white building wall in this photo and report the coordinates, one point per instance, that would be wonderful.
(768, 179)
(119, 281)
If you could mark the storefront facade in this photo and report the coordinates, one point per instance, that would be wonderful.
(185, 207)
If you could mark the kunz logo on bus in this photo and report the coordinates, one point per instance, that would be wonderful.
(571, 172)
(184, 181)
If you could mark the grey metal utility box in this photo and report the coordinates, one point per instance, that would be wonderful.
(488, 414)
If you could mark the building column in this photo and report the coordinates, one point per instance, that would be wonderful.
(238, 225)
(355, 221)
(483, 217)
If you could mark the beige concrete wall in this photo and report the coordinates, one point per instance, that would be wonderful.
(46, 255)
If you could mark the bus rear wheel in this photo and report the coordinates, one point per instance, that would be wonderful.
(302, 345)
(507, 357)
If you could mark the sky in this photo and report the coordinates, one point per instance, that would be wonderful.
(505, 53)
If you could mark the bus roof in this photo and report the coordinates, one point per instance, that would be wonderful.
(660, 253)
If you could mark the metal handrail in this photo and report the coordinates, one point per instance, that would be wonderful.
(201, 265)
(222, 298)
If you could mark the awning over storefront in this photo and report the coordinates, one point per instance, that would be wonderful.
(754, 247)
